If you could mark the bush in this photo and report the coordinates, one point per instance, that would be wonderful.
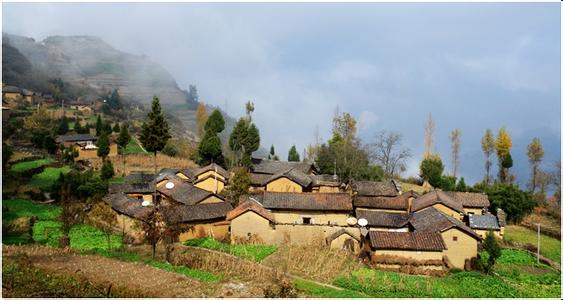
(107, 171)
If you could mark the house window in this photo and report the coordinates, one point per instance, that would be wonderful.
(455, 238)
(306, 220)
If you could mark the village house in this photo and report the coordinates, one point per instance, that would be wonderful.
(461, 242)
(482, 224)
(85, 145)
(262, 171)
(211, 178)
(472, 203)
(393, 250)
(83, 106)
(295, 218)
(440, 201)
(384, 221)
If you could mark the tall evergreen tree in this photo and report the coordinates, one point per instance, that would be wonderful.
(116, 127)
(114, 100)
(99, 125)
(293, 155)
(77, 127)
(210, 149)
(244, 139)
(63, 126)
(103, 145)
(272, 152)
(155, 132)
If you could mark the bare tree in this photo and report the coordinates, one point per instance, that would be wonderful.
(455, 137)
(387, 152)
(488, 147)
(429, 128)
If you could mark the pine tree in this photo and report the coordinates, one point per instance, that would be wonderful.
(116, 127)
(63, 126)
(244, 139)
(114, 100)
(122, 141)
(293, 155)
(461, 186)
(107, 171)
(99, 125)
(210, 148)
(103, 145)
(155, 132)
(272, 152)
(77, 127)
(488, 147)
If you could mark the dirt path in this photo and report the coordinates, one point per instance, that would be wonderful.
(103, 270)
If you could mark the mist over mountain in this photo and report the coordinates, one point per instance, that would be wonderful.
(89, 61)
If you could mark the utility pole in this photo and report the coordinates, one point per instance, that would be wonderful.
(539, 225)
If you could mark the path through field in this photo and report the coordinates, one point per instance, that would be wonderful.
(103, 270)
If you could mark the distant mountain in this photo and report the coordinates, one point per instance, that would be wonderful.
(91, 62)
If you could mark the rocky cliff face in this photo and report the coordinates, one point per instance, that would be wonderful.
(89, 61)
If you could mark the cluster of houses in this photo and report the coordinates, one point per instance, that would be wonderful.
(290, 203)
(85, 145)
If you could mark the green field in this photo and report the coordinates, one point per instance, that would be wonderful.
(45, 179)
(313, 289)
(32, 164)
(253, 252)
(549, 247)
(517, 276)
(133, 148)
(85, 238)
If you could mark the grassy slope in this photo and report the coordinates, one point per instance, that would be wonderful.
(252, 252)
(45, 179)
(133, 147)
(86, 238)
(549, 247)
(28, 165)
(519, 277)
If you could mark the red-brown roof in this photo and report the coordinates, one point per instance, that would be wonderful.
(420, 241)
(249, 204)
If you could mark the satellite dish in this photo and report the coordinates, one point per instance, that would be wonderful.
(362, 222)
(145, 203)
(170, 185)
(351, 221)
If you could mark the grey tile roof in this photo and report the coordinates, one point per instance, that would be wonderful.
(294, 175)
(375, 188)
(479, 200)
(75, 138)
(184, 192)
(432, 219)
(325, 180)
(11, 89)
(275, 166)
(196, 213)
(487, 221)
(129, 206)
(383, 219)
(435, 197)
(398, 202)
(212, 167)
(420, 241)
(306, 201)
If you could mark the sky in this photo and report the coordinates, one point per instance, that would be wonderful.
(472, 65)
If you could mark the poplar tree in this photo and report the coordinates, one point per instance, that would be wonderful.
(155, 132)
(201, 118)
(503, 145)
(488, 147)
(535, 156)
(293, 155)
(455, 138)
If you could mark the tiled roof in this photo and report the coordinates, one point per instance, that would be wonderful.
(259, 179)
(193, 213)
(129, 206)
(209, 176)
(184, 192)
(325, 180)
(487, 221)
(294, 175)
(275, 166)
(397, 202)
(129, 188)
(338, 233)
(432, 219)
(75, 138)
(420, 241)
(383, 219)
(139, 177)
(212, 167)
(466, 199)
(435, 197)
(375, 188)
(11, 89)
(307, 201)
(250, 204)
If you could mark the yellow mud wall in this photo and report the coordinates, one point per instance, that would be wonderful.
(251, 223)
(211, 199)
(448, 211)
(338, 243)
(283, 185)
(418, 255)
(316, 217)
(475, 211)
(458, 251)
(209, 184)
(210, 172)
(217, 230)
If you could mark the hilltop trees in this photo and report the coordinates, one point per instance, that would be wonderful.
(488, 147)
(155, 132)
(245, 138)
(210, 149)
(535, 156)
(455, 138)
(385, 151)
(293, 155)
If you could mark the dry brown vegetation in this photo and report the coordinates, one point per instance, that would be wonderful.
(144, 163)
(321, 264)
